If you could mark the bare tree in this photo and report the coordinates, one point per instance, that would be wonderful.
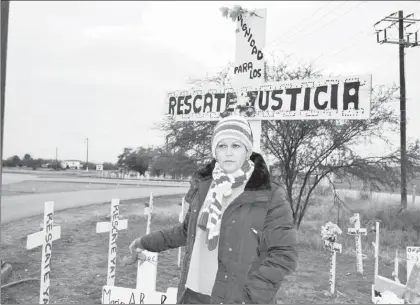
(311, 150)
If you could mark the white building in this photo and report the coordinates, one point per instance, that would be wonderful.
(71, 164)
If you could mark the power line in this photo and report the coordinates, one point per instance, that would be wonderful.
(359, 35)
(351, 45)
(320, 18)
(331, 21)
(402, 44)
(295, 27)
(390, 58)
(311, 27)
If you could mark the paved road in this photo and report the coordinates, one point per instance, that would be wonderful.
(22, 206)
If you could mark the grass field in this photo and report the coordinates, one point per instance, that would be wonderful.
(357, 185)
(79, 260)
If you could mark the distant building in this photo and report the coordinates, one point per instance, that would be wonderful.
(71, 164)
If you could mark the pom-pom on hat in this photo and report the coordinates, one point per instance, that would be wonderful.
(236, 127)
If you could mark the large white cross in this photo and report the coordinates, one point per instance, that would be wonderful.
(250, 40)
(45, 238)
(357, 231)
(113, 227)
(327, 99)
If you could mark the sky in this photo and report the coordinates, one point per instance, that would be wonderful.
(100, 70)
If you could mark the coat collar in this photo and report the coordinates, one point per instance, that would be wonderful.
(259, 180)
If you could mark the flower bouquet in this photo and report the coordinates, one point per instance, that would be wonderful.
(330, 231)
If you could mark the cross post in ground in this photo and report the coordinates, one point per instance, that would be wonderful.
(147, 271)
(113, 227)
(45, 238)
(333, 247)
(357, 231)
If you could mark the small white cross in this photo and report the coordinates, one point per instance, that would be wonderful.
(45, 238)
(147, 271)
(357, 232)
(112, 227)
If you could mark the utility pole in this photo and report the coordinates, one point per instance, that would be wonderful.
(56, 157)
(87, 154)
(403, 42)
(4, 32)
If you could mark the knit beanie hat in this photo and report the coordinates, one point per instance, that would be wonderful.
(236, 127)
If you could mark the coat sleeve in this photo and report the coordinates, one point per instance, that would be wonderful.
(165, 239)
(170, 238)
(281, 237)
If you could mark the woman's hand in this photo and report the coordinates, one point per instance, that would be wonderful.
(136, 252)
(135, 244)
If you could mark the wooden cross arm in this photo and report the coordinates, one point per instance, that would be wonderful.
(102, 227)
(354, 231)
(333, 246)
(37, 239)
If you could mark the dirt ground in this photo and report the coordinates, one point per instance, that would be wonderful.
(79, 261)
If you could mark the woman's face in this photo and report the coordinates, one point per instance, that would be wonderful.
(231, 154)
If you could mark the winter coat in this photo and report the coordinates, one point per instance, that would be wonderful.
(257, 243)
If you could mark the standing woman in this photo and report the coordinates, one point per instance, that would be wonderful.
(238, 232)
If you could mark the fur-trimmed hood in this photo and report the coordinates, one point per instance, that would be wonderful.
(260, 178)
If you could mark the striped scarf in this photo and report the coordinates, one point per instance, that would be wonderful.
(211, 215)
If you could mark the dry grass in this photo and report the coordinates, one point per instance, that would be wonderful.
(395, 232)
(79, 260)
